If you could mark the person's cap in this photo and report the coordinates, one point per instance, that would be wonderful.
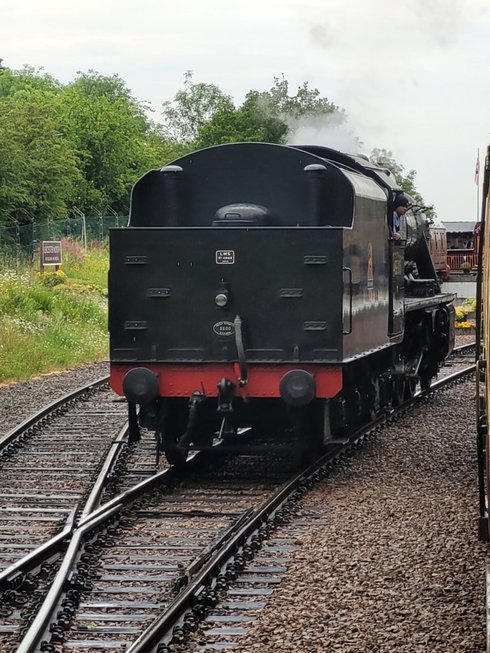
(401, 200)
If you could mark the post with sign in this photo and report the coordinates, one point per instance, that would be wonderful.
(50, 253)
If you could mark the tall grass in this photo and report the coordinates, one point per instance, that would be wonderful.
(53, 320)
(90, 266)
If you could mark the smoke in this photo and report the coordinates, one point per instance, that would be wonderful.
(329, 130)
(381, 28)
(322, 35)
(375, 48)
(441, 20)
(405, 72)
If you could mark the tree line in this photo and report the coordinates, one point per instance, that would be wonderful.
(79, 147)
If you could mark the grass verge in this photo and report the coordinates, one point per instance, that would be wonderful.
(56, 319)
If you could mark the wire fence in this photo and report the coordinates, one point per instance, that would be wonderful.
(21, 242)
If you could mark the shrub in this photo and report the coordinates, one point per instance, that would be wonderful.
(52, 278)
(469, 305)
(462, 312)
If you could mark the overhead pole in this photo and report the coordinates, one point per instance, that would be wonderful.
(477, 182)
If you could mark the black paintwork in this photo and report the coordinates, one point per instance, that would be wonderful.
(297, 240)
(284, 285)
(270, 176)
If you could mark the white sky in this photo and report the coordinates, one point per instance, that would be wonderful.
(412, 75)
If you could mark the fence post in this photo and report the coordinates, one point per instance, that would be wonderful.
(84, 226)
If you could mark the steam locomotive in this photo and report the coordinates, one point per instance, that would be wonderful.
(260, 285)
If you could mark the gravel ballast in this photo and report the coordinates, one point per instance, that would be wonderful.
(392, 561)
(18, 401)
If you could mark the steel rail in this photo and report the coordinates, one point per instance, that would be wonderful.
(462, 348)
(38, 417)
(41, 623)
(447, 380)
(93, 500)
(210, 566)
(160, 632)
(92, 522)
(13, 575)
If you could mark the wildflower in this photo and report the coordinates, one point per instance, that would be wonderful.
(460, 315)
(52, 278)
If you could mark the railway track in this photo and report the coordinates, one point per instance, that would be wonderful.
(49, 465)
(135, 577)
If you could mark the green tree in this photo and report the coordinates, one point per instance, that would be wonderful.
(38, 167)
(92, 85)
(279, 114)
(251, 122)
(202, 115)
(406, 180)
(192, 108)
(114, 139)
(25, 79)
(306, 101)
(83, 145)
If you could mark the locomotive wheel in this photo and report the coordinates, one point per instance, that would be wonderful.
(399, 389)
(410, 388)
(175, 454)
(400, 381)
(170, 430)
(308, 425)
(373, 398)
(356, 406)
(338, 415)
(425, 382)
(386, 392)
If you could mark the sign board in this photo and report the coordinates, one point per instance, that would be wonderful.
(51, 252)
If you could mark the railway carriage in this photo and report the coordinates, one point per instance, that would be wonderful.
(437, 236)
(258, 285)
(482, 354)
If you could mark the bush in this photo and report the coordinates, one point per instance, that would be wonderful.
(469, 305)
(462, 312)
(52, 278)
